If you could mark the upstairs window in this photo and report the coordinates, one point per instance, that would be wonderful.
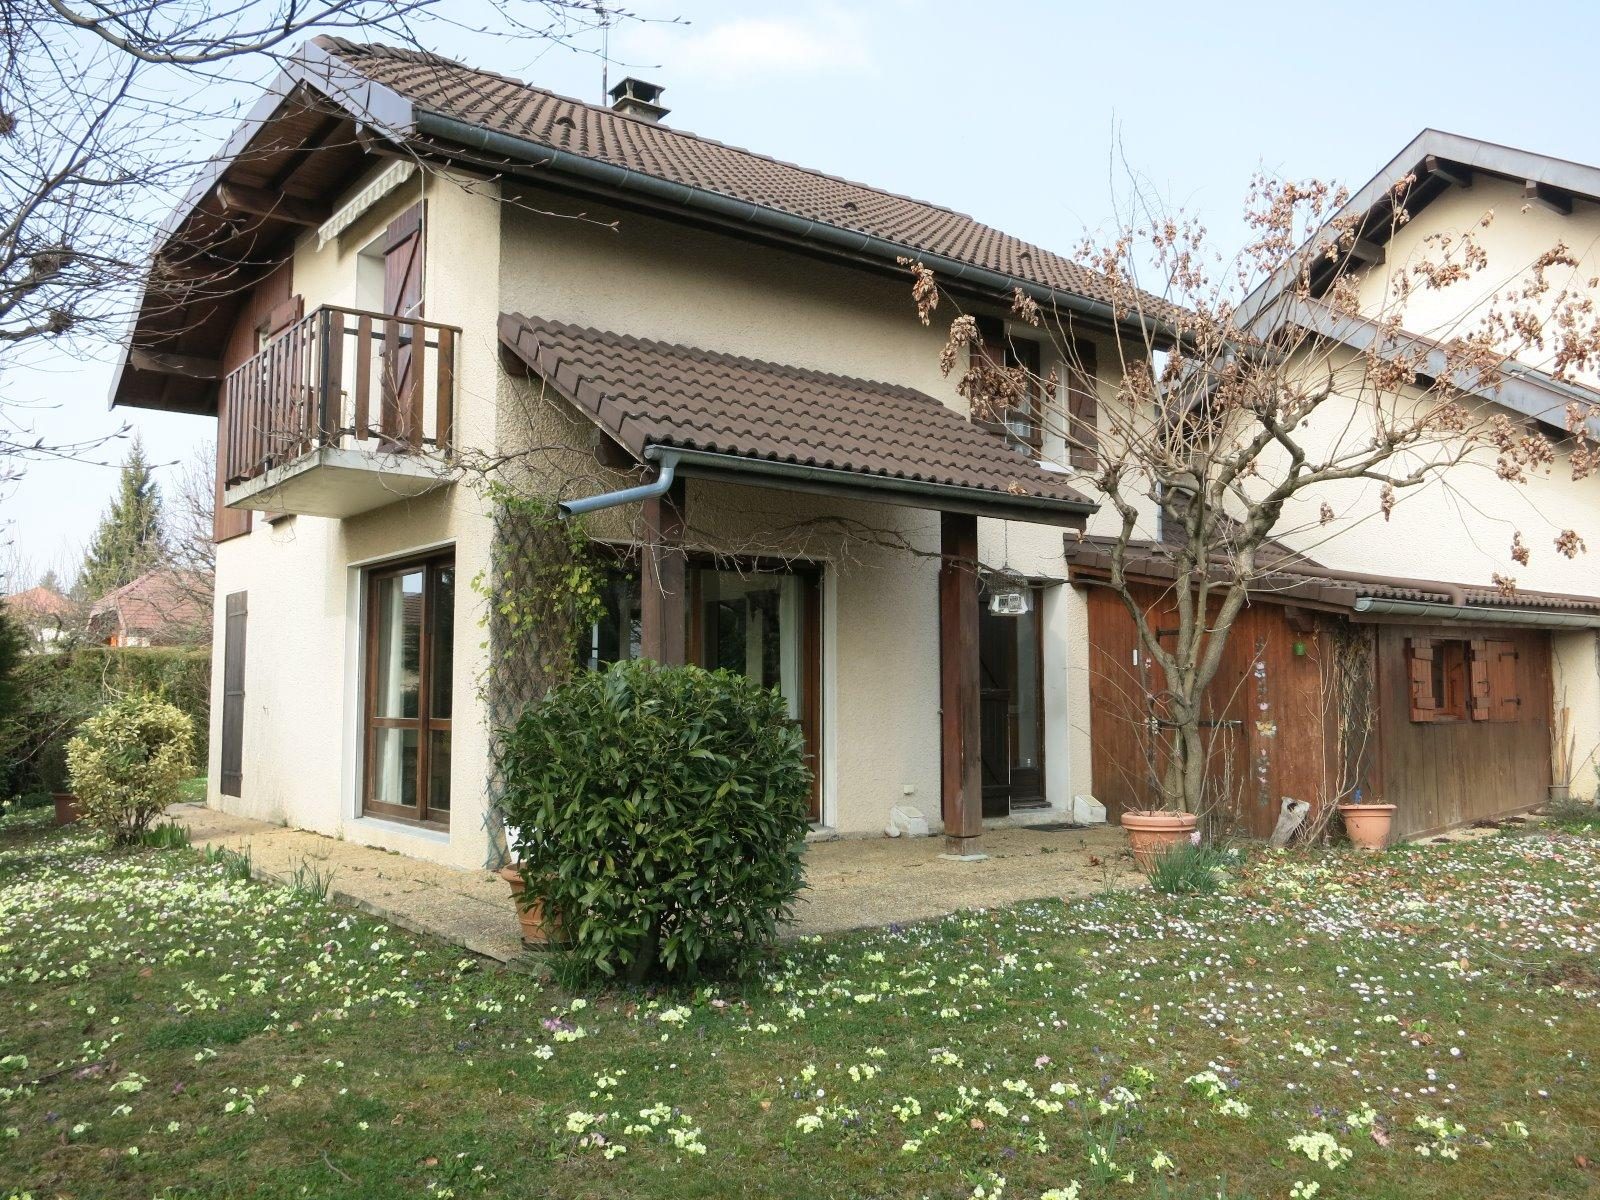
(1022, 421)
(1457, 679)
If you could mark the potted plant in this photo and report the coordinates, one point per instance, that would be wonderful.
(1153, 831)
(67, 811)
(537, 931)
(1563, 749)
(1367, 825)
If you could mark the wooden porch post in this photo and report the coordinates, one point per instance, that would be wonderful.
(663, 579)
(960, 721)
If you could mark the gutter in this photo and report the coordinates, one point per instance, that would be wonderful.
(1422, 610)
(742, 212)
(734, 468)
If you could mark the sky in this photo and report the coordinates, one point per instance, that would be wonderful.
(1033, 117)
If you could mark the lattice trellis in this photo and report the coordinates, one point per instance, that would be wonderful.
(541, 593)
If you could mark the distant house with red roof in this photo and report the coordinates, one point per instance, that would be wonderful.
(45, 613)
(160, 608)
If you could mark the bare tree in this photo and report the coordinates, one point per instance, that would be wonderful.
(1211, 436)
(190, 504)
(102, 108)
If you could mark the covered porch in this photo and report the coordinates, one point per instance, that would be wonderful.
(697, 438)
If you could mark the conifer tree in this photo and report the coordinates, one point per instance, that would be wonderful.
(128, 541)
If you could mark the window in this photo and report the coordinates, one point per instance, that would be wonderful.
(1023, 421)
(1456, 679)
(410, 623)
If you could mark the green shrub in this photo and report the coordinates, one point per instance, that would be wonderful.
(1189, 870)
(59, 691)
(127, 762)
(660, 814)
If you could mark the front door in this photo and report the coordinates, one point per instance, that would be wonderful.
(1011, 704)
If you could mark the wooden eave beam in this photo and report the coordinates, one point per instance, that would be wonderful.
(239, 197)
(1364, 250)
(1454, 173)
(1554, 199)
(186, 365)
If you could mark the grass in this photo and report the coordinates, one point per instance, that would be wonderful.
(170, 1028)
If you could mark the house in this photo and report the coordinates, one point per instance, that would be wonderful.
(404, 278)
(1374, 654)
(45, 613)
(162, 607)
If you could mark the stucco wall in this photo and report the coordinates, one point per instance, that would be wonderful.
(1517, 233)
(301, 737)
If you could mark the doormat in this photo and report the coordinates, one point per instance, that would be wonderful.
(1054, 827)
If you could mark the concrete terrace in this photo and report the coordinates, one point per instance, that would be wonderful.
(852, 883)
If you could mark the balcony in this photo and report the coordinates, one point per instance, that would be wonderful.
(344, 412)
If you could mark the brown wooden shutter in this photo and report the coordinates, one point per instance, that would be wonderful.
(1083, 406)
(1419, 664)
(1480, 705)
(231, 767)
(402, 297)
(1505, 696)
(989, 346)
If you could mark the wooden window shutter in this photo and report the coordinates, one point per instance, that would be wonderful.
(1505, 696)
(402, 264)
(231, 768)
(989, 346)
(1480, 705)
(283, 315)
(1083, 406)
(1419, 664)
(402, 297)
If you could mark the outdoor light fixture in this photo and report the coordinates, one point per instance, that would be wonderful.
(1013, 603)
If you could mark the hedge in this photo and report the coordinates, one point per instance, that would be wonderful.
(58, 692)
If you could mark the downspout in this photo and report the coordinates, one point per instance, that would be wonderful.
(1421, 610)
(802, 229)
(659, 486)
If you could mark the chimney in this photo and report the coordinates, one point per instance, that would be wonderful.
(637, 98)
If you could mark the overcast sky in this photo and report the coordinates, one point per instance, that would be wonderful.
(1029, 116)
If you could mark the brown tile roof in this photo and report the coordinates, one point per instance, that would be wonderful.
(646, 393)
(509, 106)
(1288, 586)
(155, 605)
(40, 603)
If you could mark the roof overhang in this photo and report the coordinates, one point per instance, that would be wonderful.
(1514, 386)
(1352, 594)
(880, 489)
(731, 419)
(234, 223)
(1436, 161)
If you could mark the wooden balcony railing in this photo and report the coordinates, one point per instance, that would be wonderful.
(344, 378)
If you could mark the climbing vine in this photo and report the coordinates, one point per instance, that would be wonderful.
(542, 592)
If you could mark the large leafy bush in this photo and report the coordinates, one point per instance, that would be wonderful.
(56, 692)
(660, 814)
(127, 762)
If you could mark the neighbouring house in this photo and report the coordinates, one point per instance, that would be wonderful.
(46, 615)
(405, 277)
(1374, 655)
(162, 607)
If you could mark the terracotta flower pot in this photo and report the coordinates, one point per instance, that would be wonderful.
(1367, 825)
(67, 811)
(1151, 834)
(536, 931)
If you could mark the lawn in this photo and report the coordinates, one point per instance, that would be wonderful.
(1423, 1023)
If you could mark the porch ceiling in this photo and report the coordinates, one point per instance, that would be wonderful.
(770, 424)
